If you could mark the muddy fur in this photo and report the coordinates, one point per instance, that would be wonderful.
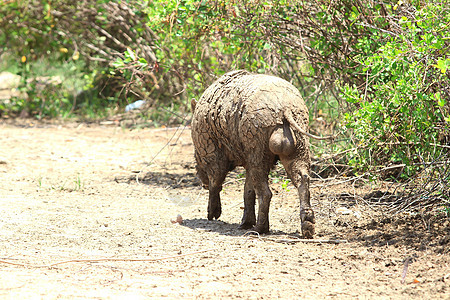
(252, 120)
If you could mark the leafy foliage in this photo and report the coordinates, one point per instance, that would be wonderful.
(402, 110)
(94, 33)
(378, 71)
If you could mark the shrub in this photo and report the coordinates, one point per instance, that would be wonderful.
(402, 114)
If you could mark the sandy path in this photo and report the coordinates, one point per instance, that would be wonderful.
(70, 193)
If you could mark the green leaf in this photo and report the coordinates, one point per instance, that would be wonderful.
(118, 63)
(442, 65)
(143, 60)
(441, 102)
(130, 54)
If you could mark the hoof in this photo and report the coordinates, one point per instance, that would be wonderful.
(261, 229)
(307, 229)
(308, 220)
(248, 221)
(213, 217)
(246, 225)
(214, 214)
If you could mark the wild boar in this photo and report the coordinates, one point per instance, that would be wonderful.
(253, 120)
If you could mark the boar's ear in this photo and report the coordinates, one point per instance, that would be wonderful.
(193, 104)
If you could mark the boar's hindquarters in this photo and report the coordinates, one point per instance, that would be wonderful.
(251, 120)
(282, 141)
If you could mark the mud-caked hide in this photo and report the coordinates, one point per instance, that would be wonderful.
(245, 119)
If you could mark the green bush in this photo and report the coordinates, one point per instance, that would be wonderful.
(402, 114)
(381, 68)
(88, 36)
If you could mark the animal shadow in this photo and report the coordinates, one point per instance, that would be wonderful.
(163, 179)
(230, 229)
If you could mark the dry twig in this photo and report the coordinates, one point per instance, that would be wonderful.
(293, 239)
(97, 260)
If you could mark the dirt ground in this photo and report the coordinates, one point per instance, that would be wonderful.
(87, 210)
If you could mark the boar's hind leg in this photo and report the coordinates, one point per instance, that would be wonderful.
(260, 182)
(299, 174)
(300, 178)
(306, 212)
(249, 218)
(214, 205)
(216, 176)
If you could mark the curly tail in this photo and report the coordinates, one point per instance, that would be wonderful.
(290, 118)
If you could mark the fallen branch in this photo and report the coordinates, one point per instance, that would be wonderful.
(11, 263)
(298, 240)
(103, 260)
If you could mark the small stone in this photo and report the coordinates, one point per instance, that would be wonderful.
(178, 220)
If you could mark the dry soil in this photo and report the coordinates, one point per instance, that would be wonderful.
(87, 212)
